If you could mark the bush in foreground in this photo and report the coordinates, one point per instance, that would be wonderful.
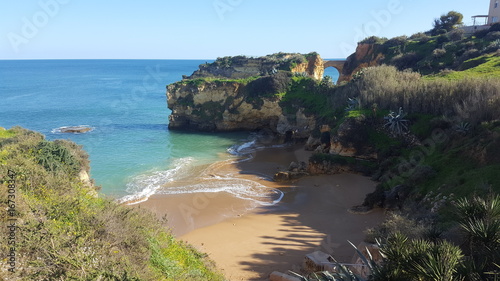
(63, 231)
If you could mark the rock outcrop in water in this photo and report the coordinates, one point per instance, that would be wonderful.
(240, 93)
(75, 129)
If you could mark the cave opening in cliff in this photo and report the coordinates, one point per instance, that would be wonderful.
(288, 136)
(325, 139)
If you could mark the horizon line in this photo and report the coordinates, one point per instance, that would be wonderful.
(4, 59)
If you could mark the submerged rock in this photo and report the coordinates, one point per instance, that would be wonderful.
(75, 129)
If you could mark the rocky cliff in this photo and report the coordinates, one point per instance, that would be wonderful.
(241, 67)
(366, 55)
(239, 93)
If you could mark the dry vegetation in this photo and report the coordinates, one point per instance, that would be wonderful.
(471, 99)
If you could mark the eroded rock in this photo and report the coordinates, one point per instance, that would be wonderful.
(75, 129)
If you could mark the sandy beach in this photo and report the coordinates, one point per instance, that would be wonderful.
(247, 240)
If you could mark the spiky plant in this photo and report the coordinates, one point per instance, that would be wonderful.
(462, 128)
(437, 261)
(479, 218)
(396, 122)
(352, 104)
(418, 259)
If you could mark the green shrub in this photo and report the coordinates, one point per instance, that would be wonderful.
(456, 34)
(494, 27)
(307, 93)
(438, 53)
(470, 54)
(269, 86)
(481, 33)
(4, 134)
(398, 224)
(419, 36)
(493, 35)
(65, 232)
(53, 156)
(443, 38)
(373, 40)
(396, 41)
(405, 61)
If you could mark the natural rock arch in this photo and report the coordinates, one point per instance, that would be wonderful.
(337, 64)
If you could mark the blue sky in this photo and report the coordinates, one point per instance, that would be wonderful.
(207, 29)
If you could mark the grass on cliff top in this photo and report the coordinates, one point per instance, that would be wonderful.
(199, 81)
(483, 66)
(6, 133)
(306, 92)
(66, 233)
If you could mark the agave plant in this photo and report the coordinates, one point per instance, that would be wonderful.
(52, 156)
(352, 104)
(418, 259)
(480, 220)
(396, 122)
(462, 128)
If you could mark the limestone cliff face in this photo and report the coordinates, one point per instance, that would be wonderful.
(242, 93)
(351, 139)
(366, 55)
(225, 106)
(314, 66)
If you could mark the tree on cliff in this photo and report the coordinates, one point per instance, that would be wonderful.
(447, 22)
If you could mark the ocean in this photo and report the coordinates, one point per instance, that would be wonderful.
(133, 154)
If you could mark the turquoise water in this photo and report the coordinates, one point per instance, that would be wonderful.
(132, 152)
(123, 100)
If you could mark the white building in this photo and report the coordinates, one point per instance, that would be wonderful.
(483, 22)
(494, 14)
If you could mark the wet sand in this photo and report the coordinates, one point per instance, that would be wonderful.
(249, 241)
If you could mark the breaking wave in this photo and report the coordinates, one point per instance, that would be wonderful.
(186, 177)
(143, 186)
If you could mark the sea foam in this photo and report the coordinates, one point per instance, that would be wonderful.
(185, 177)
(143, 186)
